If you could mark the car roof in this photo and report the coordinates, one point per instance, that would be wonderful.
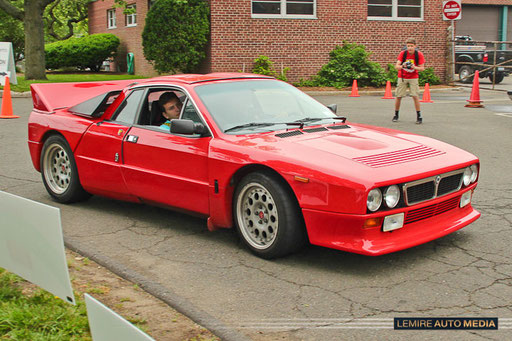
(203, 78)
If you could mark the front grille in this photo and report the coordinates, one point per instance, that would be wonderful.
(449, 184)
(431, 211)
(289, 133)
(432, 187)
(421, 192)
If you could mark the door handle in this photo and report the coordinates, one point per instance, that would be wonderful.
(132, 138)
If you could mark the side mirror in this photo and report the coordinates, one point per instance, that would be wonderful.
(187, 127)
(333, 107)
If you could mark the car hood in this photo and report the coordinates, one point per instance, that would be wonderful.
(370, 147)
(363, 153)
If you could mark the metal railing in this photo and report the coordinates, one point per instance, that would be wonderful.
(490, 47)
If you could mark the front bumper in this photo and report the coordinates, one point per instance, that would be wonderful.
(345, 231)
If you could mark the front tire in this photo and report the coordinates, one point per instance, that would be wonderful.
(59, 171)
(464, 74)
(267, 216)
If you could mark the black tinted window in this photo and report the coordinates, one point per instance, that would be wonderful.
(129, 107)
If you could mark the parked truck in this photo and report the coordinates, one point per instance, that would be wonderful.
(467, 51)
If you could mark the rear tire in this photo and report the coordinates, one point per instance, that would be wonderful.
(59, 172)
(267, 216)
(464, 74)
(498, 78)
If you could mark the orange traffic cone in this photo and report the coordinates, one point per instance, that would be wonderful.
(355, 91)
(426, 95)
(388, 94)
(474, 99)
(7, 101)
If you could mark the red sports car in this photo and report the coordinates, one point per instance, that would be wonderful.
(251, 152)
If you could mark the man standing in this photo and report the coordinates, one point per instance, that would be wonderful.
(409, 62)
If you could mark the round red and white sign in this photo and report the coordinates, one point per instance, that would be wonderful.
(452, 10)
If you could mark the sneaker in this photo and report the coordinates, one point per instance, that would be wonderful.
(419, 120)
(395, 118)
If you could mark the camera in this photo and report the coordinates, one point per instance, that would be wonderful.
(408, 65)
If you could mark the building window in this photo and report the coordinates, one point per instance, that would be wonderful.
(284, 9)
(111, 18)
(395, 9)
(131, 16)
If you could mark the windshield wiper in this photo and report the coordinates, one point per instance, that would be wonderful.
(263, 124)
(314, 119)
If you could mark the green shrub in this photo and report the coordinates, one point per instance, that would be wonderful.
(264, 66)
(312, 82)
(349, 62)
(391, 73)
(175, 35)
(426, 76)
(86, 52)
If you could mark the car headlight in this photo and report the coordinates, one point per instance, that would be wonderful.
(466, 178)
(392, 196)
(374, 199)
(474, 172)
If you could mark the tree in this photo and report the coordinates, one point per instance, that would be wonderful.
(63, 17)
(31, 13)
(12, 30)
(175, 34)
(32, 17)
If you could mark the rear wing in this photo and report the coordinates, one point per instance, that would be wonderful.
(52, 96)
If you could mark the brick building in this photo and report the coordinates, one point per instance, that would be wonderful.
(298, 34)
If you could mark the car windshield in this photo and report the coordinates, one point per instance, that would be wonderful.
(259, 105)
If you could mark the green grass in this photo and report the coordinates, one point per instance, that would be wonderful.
(39, 316)
(24, 85)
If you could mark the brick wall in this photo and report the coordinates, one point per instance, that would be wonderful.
(304, 44)
(131, 37)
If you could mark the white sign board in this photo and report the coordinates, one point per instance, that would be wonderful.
(107, 325)
(7, 67)
(452, 10)
(32, 246)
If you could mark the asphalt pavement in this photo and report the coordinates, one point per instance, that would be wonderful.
(317, 294)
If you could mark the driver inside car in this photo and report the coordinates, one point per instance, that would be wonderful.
(171, 108)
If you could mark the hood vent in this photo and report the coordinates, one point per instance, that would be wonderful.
(314, 130)
(399, 156)
(289, 133)
(339, 127)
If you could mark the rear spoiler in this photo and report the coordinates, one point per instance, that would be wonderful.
(52, 96)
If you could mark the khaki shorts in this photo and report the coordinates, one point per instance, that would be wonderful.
(401, 88)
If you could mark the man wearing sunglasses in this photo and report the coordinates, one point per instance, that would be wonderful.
(171, 108)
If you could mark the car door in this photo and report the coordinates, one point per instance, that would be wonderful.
(99, 153)
(165, 168)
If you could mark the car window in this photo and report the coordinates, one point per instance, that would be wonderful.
(190, 113)
(277, 103)
(152, 111)
(243, 102)
(128, 109)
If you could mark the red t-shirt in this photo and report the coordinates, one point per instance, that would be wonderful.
(404, 73)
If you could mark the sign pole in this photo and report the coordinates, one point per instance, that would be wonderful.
(452, 10)
(453, 49)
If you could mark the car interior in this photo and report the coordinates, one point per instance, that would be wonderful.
(151, 111)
